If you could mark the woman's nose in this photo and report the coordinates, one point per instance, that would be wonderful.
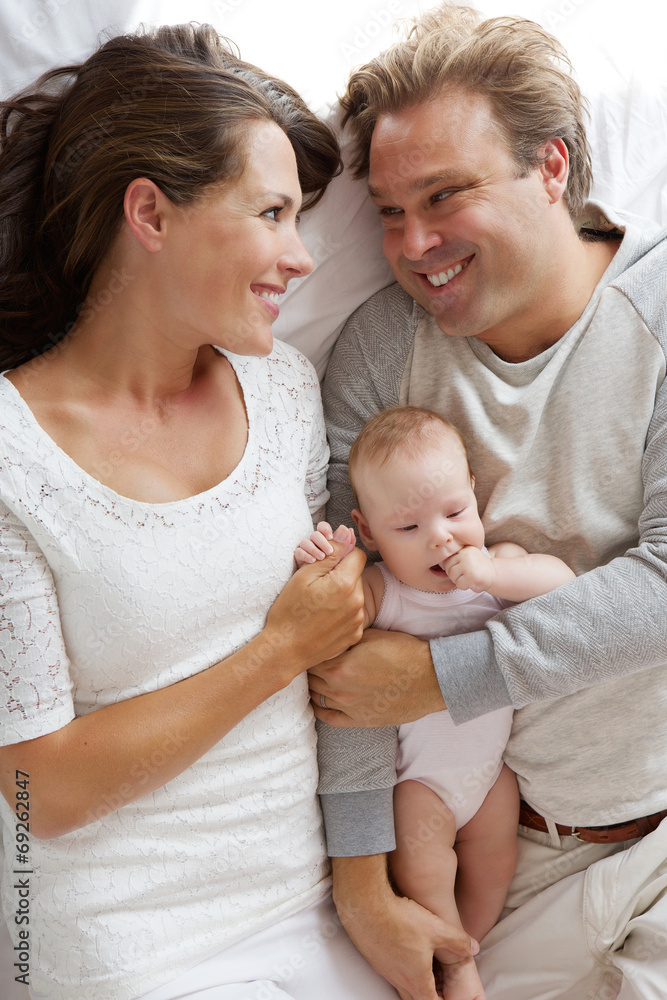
(296, 261)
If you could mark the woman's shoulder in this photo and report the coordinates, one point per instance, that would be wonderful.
(285, 368)
(22, 446)
(14, 416)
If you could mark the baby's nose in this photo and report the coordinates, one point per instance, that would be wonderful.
(441, 535)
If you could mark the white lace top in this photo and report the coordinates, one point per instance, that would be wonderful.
(104, 598)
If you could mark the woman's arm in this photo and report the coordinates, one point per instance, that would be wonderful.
(89, 767)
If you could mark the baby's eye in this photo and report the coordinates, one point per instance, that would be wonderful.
(408, 527)
(456, 513)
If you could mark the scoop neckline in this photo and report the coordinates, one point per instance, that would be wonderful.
(225, 483)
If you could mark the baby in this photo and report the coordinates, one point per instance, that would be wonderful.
(455, 803)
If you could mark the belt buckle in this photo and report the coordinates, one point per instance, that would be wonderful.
(575, 833)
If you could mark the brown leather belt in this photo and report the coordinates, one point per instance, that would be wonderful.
(613, 834)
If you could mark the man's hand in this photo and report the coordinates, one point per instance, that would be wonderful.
(471, 569)
(385, 680)
(395, 934)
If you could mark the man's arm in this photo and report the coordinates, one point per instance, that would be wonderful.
(396, 935)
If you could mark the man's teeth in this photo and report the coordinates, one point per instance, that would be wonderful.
(271, 296)
(445, 276)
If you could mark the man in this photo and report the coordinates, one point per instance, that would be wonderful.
(537, 324)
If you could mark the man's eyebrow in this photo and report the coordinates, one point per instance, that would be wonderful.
(422, 183)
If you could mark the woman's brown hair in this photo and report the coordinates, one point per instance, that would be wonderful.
(173, 105)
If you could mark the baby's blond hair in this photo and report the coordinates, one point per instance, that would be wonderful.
(399, 430)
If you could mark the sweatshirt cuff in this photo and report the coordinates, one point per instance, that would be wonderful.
(359, 823)
(468, 675)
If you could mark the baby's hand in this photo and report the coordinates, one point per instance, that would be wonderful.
(317, 546)
(470, 569)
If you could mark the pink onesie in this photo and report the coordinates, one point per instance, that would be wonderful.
(459, 763)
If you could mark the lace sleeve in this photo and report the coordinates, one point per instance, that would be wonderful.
(318, 460)
(34, 667)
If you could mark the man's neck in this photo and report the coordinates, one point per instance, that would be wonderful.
(560, 305)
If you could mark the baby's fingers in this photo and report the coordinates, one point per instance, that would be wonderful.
(313, 548)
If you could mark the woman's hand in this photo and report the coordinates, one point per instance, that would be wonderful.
(318, 545)
(320, 612)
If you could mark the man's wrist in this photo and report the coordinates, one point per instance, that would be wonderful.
(468, 675)
(359, 884)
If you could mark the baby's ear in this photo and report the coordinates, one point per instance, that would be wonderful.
(364, 530)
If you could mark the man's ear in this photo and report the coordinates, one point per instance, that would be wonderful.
(364, 530)
(554, 168)
(146, 208)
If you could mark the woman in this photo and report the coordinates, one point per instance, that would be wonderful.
(156, 728)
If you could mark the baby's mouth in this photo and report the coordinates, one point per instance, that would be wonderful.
(438, 570)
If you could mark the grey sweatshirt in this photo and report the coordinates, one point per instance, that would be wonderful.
(570, 454)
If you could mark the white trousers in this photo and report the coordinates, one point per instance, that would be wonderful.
(598, 931)
(304, 957)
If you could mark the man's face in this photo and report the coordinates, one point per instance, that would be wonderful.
(465, 235)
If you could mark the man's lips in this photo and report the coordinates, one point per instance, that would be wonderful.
(436, 279)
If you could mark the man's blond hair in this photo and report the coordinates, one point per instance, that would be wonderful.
(521, 69)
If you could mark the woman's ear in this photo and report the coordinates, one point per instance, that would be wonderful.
(146, 208)
(364, 530)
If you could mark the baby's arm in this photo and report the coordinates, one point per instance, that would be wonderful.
(512, 574)
(317, 547)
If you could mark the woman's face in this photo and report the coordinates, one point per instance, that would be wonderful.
(230, 255)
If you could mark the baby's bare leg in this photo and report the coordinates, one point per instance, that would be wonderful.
(424, 868)
(486, 849)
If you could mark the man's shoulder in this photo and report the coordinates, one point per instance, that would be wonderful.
(372, 351)
(389, 312)
(643, 283)
(380, 332)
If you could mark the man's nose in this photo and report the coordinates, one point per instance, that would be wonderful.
(419, 237)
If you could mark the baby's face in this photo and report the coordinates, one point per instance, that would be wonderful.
(421, 509)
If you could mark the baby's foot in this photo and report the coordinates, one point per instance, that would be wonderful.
(460, 981)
